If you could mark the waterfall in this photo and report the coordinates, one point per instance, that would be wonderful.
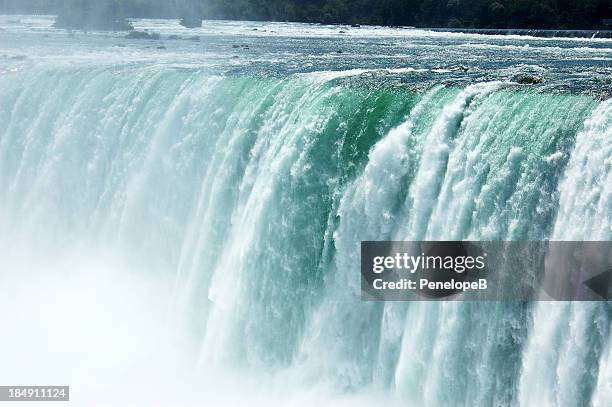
(249, 196)
(561, 365)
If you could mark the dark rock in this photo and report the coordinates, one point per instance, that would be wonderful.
(339, 51)
(174, 37)
(161, 47)
(355, 25)
(100, 15)
(142, 35)
(526, 79)
(461, 68)
(191, 21)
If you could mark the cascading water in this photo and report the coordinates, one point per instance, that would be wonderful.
(563, 354)
(249, 196)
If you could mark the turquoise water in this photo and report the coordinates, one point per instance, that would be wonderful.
(191, 220)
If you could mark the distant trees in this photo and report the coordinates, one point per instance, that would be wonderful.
(561, 14)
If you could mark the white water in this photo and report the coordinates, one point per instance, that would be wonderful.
(188, 238)
(562, 354)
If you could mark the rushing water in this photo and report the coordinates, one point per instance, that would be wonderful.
(180, 220)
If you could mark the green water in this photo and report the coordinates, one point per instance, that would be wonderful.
(246, 192)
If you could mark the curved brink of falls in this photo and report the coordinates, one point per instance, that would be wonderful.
(251, 195)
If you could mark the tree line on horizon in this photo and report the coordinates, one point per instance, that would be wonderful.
(543, 14)
(531, 14)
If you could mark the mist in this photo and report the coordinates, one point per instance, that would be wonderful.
(86, 319)
(130, 8)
